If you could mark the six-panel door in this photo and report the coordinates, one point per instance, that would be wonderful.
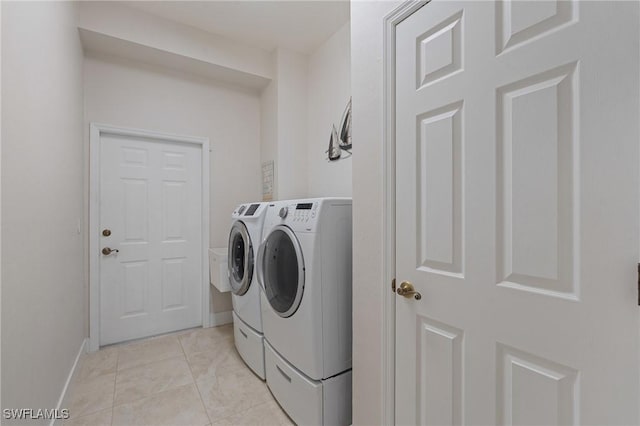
(517, 213)
(151, 200)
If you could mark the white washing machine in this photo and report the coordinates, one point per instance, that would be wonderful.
(304, 267)
(244, 239)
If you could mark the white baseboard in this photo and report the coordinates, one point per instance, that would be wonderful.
(63, 401)
(221, 318)
(93, 345)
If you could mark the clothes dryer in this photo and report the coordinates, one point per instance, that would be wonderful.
(304, 267)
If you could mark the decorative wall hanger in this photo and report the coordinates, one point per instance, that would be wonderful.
(337, 145)
(345, 128)
(334, 145)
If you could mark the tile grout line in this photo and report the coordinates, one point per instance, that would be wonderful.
(176, 356)
(79, 382)
(115, 381)
(216, 378)
(150, 395)
(186, 358)
(194, 381)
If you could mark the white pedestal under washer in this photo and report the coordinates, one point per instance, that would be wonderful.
(244, 239)
(304, 266)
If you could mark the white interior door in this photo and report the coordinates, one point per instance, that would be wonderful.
(151, 202)
(517, 213)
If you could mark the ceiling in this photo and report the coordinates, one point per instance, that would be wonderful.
(298, 25)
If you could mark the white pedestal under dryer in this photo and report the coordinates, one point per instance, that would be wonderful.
(244, 239)
(304, 267)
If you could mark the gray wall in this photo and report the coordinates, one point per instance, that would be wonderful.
(43, 304)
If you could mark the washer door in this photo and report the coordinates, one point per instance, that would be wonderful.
(282, 270)
(240, 259)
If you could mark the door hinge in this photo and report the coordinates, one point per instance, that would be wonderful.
(393, 281)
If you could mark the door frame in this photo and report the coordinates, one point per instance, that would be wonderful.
(97, 130)
(390, 22)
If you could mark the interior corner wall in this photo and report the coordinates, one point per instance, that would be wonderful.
(298, 109)
(291, 75)
(329, 90)
(43, 305)
(367, 86)
(132, 94)
(269, 130)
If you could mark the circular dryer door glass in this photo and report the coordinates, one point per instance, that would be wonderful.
(283, 268)
(240, 259)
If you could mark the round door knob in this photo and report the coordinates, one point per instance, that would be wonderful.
(283, 212)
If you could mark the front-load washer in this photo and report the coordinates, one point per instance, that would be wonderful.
(304, 268)
(244, 239)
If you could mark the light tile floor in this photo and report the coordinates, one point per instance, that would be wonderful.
(194, 377)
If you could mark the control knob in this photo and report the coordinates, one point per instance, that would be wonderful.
(283, 212)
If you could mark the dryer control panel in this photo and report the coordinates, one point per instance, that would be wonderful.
(299, 216)
(303, 216)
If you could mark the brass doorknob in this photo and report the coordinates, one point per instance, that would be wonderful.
(107, 251)
(406, 289)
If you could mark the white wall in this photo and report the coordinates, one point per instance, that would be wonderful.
(284, 124)
(307, 96)
(43, 302)
(269, 130)
(120, 22)
(368, 208)
(291, 74)
(329, 89)
(129, 94)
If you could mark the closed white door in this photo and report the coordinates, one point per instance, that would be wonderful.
(151, 207)
(517, 213)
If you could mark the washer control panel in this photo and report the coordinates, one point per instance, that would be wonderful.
(249, 210)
